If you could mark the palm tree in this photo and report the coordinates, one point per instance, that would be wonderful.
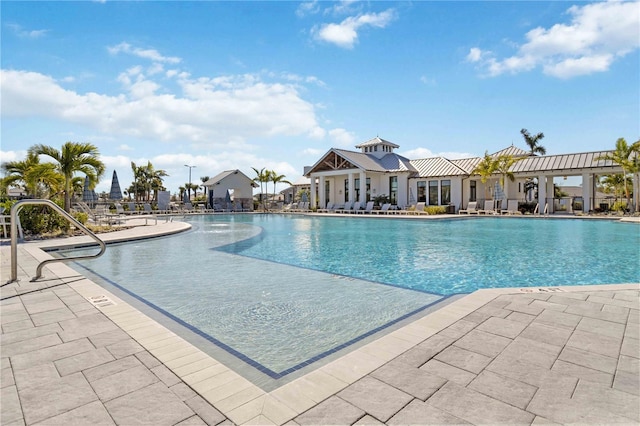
(204, 179)
(262, 177)
(73, 157)
(486, 168)
(503, 167)
(532, 142)
(36, 178)
(276, 178)
(626, 156)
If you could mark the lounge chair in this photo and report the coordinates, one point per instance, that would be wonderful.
(355, 207)
(420, 209)
(188, 208)
(327, 209)
(488, 207)
(383, 210)
(147, 208)
(368, 208)
(472, 208)
(346, 208)
(512, 208)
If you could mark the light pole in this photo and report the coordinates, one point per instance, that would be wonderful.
(189, 189)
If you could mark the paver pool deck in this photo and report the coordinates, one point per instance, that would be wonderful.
(72, 353)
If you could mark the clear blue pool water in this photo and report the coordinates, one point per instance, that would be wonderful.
(280, 291)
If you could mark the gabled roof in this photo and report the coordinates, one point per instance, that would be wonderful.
(338, 159)
(377, 141)
(514, 151)
(437, 166)
(467, 164)
(222, 176)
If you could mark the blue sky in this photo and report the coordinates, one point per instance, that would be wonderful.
(226, 85)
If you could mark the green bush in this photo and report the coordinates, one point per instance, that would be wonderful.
(436, 209)
(37, 220)
(619, 206)
(81, 217)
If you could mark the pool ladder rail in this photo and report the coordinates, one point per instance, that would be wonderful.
(15, 209)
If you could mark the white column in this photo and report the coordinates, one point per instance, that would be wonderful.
(636, 191)
(352, 186)
(312, 196)
(542, 193)
(363, 188)
(587, 190)
(321, 192)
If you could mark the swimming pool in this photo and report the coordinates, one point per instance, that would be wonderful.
(280, 291)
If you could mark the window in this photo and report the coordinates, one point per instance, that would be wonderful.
(433, 192)
(473, 187)
(368, 189)
(327, 191)
(445, 192)
(356, 183)
(393, 190)
(422, 191)
(346, 190)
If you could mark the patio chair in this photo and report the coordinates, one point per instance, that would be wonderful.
(383, 210)
(489, 207)
(355, 207)
(472, 208)
(346, 208)
(420, 209)
(132, 208)
(512, 208)
(368, 208)
(327, 209)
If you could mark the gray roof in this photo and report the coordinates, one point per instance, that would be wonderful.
(388, 164)
(563, 162)
(437, 166)
(467, 164)
(221, 176)
(377, 141)
(513, 151)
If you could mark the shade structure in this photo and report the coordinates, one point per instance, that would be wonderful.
(88, 195)
(115, 193)
(185, 198)
(498, 192)
(304, 197)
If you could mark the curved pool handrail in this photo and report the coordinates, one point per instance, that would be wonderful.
(15, 209)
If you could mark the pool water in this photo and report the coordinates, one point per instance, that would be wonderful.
(280, 292)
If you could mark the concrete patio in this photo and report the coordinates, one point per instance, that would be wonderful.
(74, 354)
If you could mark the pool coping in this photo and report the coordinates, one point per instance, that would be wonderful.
(233, 395)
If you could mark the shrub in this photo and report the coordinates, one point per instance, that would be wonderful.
(81, 217)
(619, 206)
(435, 209)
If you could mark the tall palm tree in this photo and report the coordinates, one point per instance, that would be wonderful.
(73, 157)
(626, 156)
(532, 142)
(262, 176)
(204, 188)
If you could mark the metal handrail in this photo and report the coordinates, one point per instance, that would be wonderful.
(14, 237)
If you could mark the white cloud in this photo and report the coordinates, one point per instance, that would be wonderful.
(598, 34)
(428, 81)
(307, 8)
(150, 54)
(22, 33)
(345, 34)
(342, 138)
(6, 156)
(124, 147)
(207, 111)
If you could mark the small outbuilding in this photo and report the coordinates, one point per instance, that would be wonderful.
(231, 190)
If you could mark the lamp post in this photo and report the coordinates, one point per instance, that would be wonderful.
(189, 189)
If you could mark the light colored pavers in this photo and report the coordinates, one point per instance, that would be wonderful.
(558, 355)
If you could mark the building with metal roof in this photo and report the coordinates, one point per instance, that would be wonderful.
(230, 190)
(341, 176)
